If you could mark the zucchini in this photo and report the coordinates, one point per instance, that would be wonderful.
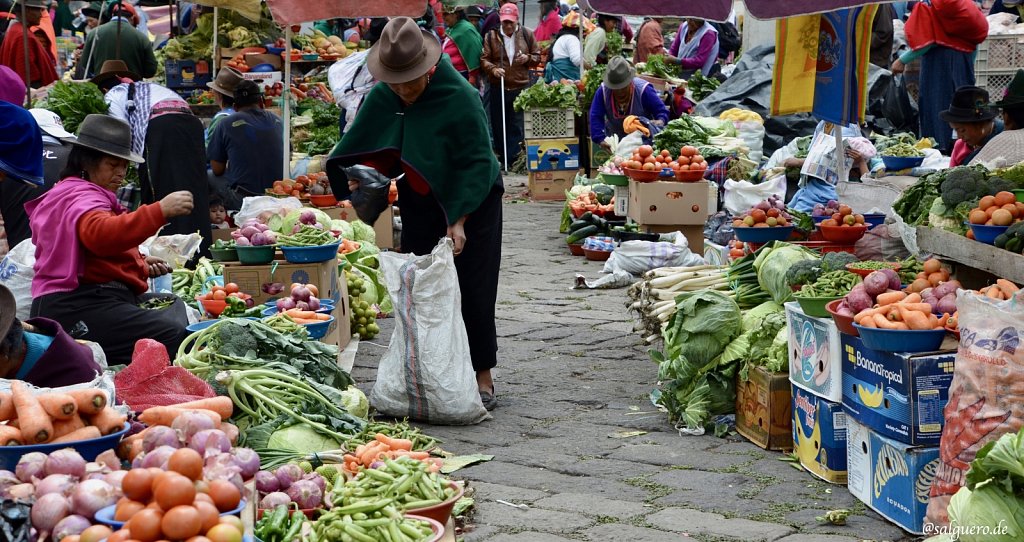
(586, 216)
(581, 234)
(1014, 245)
(601, 223)
(1000, 241)
(577, 224)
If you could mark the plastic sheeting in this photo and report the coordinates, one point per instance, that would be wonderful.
(718, 10)
(301, 11)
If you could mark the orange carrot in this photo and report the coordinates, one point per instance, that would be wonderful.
(889, 298)
(165, 415)
(6, 406)
(222, 405)
(10, 436)
(70, 425)
(394, 443)
(882, 322)
(60, 406)
(936, 322)
(994, 293)
(920, 307)
(296, 313)
(90, 401)
(36, 426)
(865, 314)
(88, 432)
(108, 421)
(413, 455)
(914, 319)
(913, 298)
(1007, 287)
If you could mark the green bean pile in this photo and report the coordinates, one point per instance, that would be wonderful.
(902, 150)
(832, 284)
(404, 483)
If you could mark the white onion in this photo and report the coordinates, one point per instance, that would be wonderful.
(48, 510)
(66, 461)
(55, 483)
(90, 496)
(31, 465)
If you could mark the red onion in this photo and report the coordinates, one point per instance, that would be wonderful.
(306, 494)
(222, 467)
(314, 303)
(61, 484)
(288, 475)
(275, 499)
(19, 492)
(320, 481)
(31, 465)
(246, 460)
(158, 436)
(66, 461)
(266, 482)
(70, 525)
(90, 496)
(301, 293)
(8, 479)
(210, 442)
(302, 305)
(109, 460)
(285, 303)
(158, 457)
(48, 510)
(189, 423)
(114, 479)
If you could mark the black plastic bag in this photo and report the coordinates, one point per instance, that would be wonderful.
(15, 524)
(371, 198)
(898, 108)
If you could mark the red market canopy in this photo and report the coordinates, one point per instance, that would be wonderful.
(301, 11)
(718, 10)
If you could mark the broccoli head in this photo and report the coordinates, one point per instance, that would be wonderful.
(999, 184)
(803, 272)
(962, 184)
(836, 261)
(236, 340)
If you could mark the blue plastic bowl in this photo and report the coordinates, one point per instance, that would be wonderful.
(763, 235)
(874, 219)
(315, 254)
(986, 234)
(326, 307)
(822, 218)
(88, 449)
(263, 68)
(318, 330)
(199, 326)
(898, 340)
(106, 515)
(897, 163)
(271, 50)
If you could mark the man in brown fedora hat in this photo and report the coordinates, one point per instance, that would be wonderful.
(223, 88)
(427, 121)
(42, 67)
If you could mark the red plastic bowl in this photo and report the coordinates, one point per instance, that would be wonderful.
(576, 249)
(843, 234)
(323, 200)
(844, 323)
(597, 255)
(865, 272)
(690, 176)
(438, 528)
(440, 512)
(214, 307)
(642, 176)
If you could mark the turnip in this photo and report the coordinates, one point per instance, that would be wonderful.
(275, 499)
(306, 494)
(285, 303)
(160, 435)
(266, 482)
(288, 474)
(858, 299)
(242, 242)
(946, 305)
(307, 217)
(894, 278)
(876, 283)
(31, 465)
(189, 423)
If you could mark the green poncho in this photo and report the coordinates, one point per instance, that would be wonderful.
(469, 42)
(442, 139)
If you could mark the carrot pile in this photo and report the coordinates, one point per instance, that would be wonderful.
(381, 447)
(306, 317)
(899, 310)
(1002, 290)
(217, 409)
(55, 417)
(347, 245)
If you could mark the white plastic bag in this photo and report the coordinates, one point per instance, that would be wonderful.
(638, 257)
(254, 206)
(175, 249)
(740, 196)
(629, 144)
(752, 134)
(426, 373)
(350, 82)
(16, 274)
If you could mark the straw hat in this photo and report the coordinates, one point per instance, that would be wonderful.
(403, 53)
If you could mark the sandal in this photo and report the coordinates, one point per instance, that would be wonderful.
(488, 399)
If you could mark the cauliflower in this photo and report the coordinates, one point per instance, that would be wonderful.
(937, 218)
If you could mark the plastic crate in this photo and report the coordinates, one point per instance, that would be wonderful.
(548, 122)
(994, 81)
(1000, 52)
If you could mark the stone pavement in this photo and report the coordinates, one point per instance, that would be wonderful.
(572, 381)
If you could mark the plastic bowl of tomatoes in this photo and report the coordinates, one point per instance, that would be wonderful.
(215, 301)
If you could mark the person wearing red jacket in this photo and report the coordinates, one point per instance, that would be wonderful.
(42, 66)
(944, 35)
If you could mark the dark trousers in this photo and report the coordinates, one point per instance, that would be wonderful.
(109, 314)
(423, 225)
(513, 124)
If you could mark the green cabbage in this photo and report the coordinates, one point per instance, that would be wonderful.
(355, 402)
(344, 227)
(292, 218)
(704, 322)
(772, 264)
(752, 318)
(363, 232)
(989, 513)
(301, 438)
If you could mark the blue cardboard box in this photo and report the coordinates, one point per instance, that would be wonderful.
(188, 73)
(898, 395)
(552, 154)
(814, 362)
(819, 435)
(891, 477)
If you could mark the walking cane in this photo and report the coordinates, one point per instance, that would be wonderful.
(504, 129)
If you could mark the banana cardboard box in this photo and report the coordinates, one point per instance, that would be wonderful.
(814, 354)
(891, 477)
(764, 409)
(900, 396)
(552, 154)
(819, 436)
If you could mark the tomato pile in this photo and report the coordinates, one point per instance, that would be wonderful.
(176, 504)
(646, 159)
(299, 186)
(845, 217)
(221, 293)
(768, 213)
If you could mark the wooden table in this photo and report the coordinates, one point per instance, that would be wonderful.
(972, 254)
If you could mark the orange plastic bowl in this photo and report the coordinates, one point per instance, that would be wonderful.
(597, 255)
(690, 176)
(323, 200)
(844, 323)
(214, 307)
(843, 234)
(442, 511)
(576, 249)
(643, 176)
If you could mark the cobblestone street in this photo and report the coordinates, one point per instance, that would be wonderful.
(576, 440)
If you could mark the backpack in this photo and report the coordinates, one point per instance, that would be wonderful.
(729, 39)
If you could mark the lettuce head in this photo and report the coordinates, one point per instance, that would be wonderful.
(363, 232)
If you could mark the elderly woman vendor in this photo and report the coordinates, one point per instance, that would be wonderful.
(89, 273)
